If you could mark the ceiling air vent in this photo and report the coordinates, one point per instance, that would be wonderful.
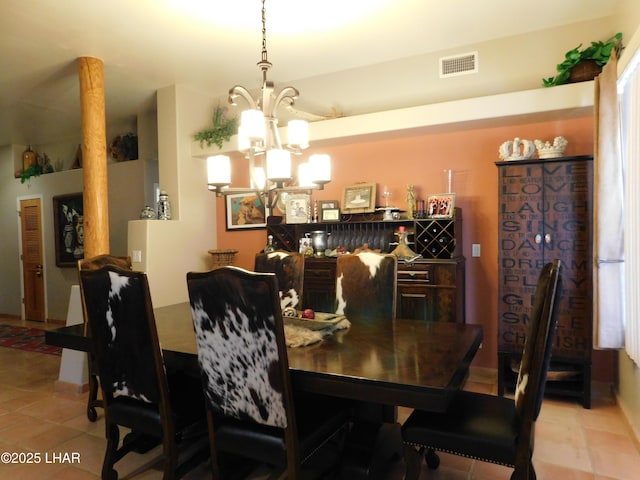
(459, 65)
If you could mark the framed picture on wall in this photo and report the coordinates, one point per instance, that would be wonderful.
(441, 205)
(245, 211)
(359, 198)
(297, 208)
(68, 228)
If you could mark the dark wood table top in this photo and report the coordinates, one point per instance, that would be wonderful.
(409, 363)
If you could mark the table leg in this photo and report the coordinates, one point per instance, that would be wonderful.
(369, 448)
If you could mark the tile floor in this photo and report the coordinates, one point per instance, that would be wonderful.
(571, 443)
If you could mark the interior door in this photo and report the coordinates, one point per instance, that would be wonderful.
(32, 267)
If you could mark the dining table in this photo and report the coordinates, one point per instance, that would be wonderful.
(393, 362)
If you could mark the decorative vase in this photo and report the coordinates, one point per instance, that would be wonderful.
(28, 159)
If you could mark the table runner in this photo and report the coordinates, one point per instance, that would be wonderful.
(297, 335)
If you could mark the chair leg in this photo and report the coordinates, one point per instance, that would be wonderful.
(413, 462)
(524, 473)
(93, 401)
(113, 437)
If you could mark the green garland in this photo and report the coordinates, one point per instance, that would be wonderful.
(34, 170)
(222, 131)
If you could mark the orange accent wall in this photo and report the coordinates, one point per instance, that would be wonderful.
(421, 160)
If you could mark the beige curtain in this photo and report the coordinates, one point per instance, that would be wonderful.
(608, 235)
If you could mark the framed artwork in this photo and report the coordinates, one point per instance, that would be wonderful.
(359, 198)
(328, 204)
(441, 205)
(68, 228)
(297, 208)
(330, 215)
(245, 211)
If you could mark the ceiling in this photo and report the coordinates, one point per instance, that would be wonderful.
(212, 45)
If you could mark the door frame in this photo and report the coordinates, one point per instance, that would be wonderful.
(44, 254)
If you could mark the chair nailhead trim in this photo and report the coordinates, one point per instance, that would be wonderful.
(473, 457)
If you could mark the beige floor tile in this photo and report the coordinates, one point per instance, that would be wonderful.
(91, 450)
(560, 433)
(490, 471)
(606, 421)
(28, 427)
(610, 442)
(548, 471)
(50, 438)
(571, 456)
(54, 408)
(72, 473)
(616, 465)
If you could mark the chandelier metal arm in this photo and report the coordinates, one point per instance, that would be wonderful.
(240, 91)
(286, 96)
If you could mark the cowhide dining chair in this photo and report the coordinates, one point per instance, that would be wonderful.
(138, 391)
(253, 412)
(366, 288)
(366, 285)
(289, 270)
(93, 263)
(487, 427)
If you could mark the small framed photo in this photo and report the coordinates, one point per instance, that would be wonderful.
(245, 211)
(297, 208)
(328, 204)
(441, 205)
(68, 228)
(359, 198)
(330, 215)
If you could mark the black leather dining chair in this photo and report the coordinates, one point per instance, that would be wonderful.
(138, 390)
(487, 427)
(289, 270)
(252, 410)
(93, 263)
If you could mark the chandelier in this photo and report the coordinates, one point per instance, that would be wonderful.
(270, 169)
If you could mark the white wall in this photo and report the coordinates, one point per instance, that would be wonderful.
(171, 248)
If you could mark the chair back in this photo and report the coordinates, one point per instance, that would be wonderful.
(366, 285)
(117, 305)
(241, 347)
(289, 270)
(98, 261)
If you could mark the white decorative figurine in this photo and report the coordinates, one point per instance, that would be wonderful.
(551, 150)
(517, 149)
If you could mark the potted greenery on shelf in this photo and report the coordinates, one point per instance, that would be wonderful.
(222, 130)
(591, 59)
(34, 170)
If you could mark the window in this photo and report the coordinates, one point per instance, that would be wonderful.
(629, 96)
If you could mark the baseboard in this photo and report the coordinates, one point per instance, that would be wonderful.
(635, 434)
(60, 386)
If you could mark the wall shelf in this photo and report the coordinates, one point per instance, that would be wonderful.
(541, 104)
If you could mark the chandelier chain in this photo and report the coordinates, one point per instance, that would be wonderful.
(264, 34)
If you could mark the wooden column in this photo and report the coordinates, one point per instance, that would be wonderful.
(94, 157)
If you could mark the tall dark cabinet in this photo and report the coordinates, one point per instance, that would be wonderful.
(545, 212)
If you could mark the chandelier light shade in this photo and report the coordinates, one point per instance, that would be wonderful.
(218, 171)
(278, 165)
(270, 167)
(298, 134)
